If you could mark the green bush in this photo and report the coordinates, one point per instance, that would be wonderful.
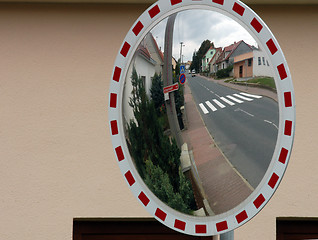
(224, 73)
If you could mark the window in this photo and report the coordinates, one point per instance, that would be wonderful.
(249, 63)
(126, 229)
(143, 80)
(296, 228)
(207, 60)
(259, 61)
(267, 63)
(263, 61)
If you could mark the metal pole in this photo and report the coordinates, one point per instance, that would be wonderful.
(167, 80)
(227, 236)
(181, 56)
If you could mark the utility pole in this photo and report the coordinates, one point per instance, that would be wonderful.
(181, 60)
(168, 80)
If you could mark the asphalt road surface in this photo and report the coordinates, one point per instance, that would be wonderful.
(244, 126)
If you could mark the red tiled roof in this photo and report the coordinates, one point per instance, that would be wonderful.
(231, 48)
(143, 51)
(221, 57)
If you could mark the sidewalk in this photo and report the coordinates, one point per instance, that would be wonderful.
(223, 187)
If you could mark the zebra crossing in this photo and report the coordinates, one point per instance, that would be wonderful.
(229, 100)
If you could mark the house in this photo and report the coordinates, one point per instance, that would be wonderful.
(212, 66)
(252, 64)
(145, 67)
(207, 57)
(174, 63)
(261, 65)
(243, 65)
(154, 52)
(226, 58)
(187, 65)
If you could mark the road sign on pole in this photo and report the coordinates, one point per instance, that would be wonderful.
(182, 69)
(182, 78)
(171, 88)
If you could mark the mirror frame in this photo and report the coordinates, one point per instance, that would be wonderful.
(234, 218)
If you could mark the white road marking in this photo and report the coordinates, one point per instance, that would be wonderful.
(203, 108)
(242, 97)
(271, 123)
(219, 103)
(234, 99)
(247, 113)
(211, 106)
(227, 101)
(275, 125)
(251, 95)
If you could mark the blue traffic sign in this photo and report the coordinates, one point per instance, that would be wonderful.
(182, 78)
(182, 69)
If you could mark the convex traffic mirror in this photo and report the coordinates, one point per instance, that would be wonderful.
(201, 114)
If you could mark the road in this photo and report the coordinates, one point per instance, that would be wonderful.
(244, 127)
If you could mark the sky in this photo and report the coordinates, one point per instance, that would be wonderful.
(192, 27)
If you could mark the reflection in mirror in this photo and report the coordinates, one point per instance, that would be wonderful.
(202, 146)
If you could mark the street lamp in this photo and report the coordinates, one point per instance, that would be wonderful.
(181, 45)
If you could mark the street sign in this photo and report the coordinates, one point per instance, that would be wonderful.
(182, 78)
(182, 69)
(171, 88)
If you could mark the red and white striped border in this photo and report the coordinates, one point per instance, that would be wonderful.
(212, 225)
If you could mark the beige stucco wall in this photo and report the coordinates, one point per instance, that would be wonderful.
(56, 156)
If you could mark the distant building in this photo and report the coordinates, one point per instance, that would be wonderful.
(207, 58)
(212, 66)
(226, 58)
(261, 65)
(188, 65)
(252, 64)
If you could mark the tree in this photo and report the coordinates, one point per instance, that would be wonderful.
(195, 62)
(157, 158)
(197, 56)
(156, 92)
(146, 137)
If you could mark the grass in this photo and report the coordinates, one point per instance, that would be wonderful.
(264, 81)
(228, 80)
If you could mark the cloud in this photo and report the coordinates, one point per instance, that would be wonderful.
(192, 27)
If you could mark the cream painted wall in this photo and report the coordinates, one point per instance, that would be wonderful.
(57, 161)
(56, 156)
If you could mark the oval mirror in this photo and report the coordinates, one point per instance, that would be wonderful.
(201, 114)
